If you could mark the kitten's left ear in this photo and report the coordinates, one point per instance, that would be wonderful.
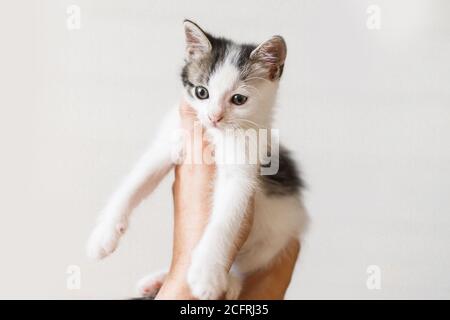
(271, 56)
(197, 42)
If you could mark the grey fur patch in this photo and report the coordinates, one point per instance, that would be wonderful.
(199, 72)
(244, 55)
(287, 181)
(220, 49)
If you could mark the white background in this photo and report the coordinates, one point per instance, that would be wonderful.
(366, 112)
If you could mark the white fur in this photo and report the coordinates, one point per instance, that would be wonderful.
(276, 219)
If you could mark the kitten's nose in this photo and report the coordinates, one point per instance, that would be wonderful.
(215, 118)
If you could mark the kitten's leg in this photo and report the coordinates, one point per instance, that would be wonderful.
(150, 285)
(208, 276)
(142, 180)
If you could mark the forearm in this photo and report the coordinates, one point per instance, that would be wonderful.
(190, 222)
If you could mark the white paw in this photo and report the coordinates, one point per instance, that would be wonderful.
(105, 238)
(150, 285)
(207, 282)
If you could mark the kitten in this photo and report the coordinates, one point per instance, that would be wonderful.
(230, 86)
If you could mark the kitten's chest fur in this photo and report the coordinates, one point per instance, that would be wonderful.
(279, 214)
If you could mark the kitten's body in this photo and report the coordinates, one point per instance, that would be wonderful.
(227, 70)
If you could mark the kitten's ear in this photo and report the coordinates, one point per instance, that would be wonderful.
(271, 56)
(197, 42)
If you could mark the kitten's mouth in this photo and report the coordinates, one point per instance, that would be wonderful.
(213, 125)
(221, 125)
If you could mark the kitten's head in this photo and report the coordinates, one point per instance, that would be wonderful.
(231, 85)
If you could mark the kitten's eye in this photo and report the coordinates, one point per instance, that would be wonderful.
(239, 99)
(201, 93)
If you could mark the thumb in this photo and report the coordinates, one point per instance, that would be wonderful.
(187, 114)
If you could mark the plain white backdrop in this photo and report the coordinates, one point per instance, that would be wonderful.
(366, 112)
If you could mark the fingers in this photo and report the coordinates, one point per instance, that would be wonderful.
(198, 149)
(193, 132)
(187, 114)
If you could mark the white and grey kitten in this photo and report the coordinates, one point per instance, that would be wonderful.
(230, 86)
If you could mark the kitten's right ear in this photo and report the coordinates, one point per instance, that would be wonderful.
(270, 55)
(197, 42)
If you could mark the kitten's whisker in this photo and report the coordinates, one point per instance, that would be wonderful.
(251, 122)
(249, 125)
(256, 78)
(255, 125)
(245, 86)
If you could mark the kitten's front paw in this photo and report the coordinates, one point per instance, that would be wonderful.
(207, 282)
(105, 238)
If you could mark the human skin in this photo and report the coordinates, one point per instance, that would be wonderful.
(192, 191)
